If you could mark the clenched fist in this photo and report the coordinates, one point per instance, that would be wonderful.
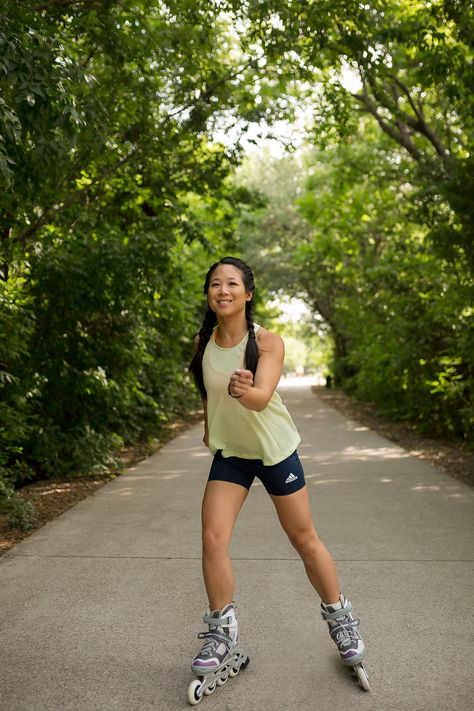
(240, 382)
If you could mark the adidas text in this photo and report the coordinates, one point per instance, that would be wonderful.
(291, 478)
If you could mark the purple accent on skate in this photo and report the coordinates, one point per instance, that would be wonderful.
(204, 665)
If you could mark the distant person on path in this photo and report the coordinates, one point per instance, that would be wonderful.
(249, 431)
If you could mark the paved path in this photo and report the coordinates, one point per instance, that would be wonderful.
(99, 610)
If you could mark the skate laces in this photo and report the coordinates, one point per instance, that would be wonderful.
(213, 640)
(344, 632)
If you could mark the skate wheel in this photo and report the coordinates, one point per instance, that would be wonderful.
(362, 677)
(222, 679)
(193, 696)
(233, 671)
(210, 689)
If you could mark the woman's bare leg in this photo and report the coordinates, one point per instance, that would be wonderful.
(295, 516)
(220, 507)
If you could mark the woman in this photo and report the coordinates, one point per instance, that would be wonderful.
(237, 367)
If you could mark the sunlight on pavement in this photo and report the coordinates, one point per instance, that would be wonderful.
(304, 381)
(364, 453)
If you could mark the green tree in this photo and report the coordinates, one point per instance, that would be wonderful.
(399, 314)
(114, 201)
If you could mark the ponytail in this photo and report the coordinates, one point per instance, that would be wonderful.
(195, 366)
(251, 352)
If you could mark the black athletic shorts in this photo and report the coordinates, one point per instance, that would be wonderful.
(280, 479)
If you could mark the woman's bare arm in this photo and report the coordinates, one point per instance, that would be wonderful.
(255, 393)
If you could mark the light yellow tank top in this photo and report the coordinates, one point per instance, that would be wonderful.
(269, 435)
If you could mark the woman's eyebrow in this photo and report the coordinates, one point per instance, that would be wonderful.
(230, 280)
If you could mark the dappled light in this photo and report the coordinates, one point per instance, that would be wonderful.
(366, 453)
(166, 475)
(292, 383)
(356, 454)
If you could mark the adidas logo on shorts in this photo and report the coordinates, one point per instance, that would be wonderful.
(290, 478)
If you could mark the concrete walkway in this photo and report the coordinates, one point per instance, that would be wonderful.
(99, 610)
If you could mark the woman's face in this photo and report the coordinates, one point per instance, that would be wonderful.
(226, 294)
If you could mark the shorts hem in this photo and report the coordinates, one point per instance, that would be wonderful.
(230, 481)
(294, 490)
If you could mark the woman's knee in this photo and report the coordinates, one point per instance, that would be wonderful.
(214, 540)
(306, 543)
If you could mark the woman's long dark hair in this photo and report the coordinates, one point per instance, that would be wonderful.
(210, 320)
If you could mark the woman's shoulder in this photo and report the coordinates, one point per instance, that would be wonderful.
(267, 340)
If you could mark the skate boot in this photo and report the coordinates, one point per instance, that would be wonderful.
(343, 630)
(222, 638)
(220, 656)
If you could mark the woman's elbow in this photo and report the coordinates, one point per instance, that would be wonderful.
(261, 406)
(256, 406)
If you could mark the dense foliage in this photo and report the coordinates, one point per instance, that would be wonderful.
(386, 251)
(113, 200)
(115, 196)
(399, 314)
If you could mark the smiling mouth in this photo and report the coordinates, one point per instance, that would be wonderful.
(223, 302)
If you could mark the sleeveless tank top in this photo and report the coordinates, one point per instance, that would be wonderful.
(269, 435)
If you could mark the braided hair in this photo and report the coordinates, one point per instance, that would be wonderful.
(210, 320)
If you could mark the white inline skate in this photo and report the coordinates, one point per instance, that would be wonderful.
(343, 630)
(220, 657)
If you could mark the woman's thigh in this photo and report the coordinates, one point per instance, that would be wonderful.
(295, 515)
(220, 507)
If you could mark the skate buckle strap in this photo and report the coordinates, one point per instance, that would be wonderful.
(218, 621)
(336, 614)
(215, 635)
(212, 643)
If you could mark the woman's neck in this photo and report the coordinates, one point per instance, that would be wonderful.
(230, 332)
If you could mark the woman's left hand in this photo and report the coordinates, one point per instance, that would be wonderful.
(240, 382)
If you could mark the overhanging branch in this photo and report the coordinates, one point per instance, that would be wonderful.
(79, 195)
(402, 138)
(421, 124)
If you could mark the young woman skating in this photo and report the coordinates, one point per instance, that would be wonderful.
(249, 431)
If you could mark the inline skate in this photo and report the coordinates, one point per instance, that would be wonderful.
(343, 630)
(220, 657)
